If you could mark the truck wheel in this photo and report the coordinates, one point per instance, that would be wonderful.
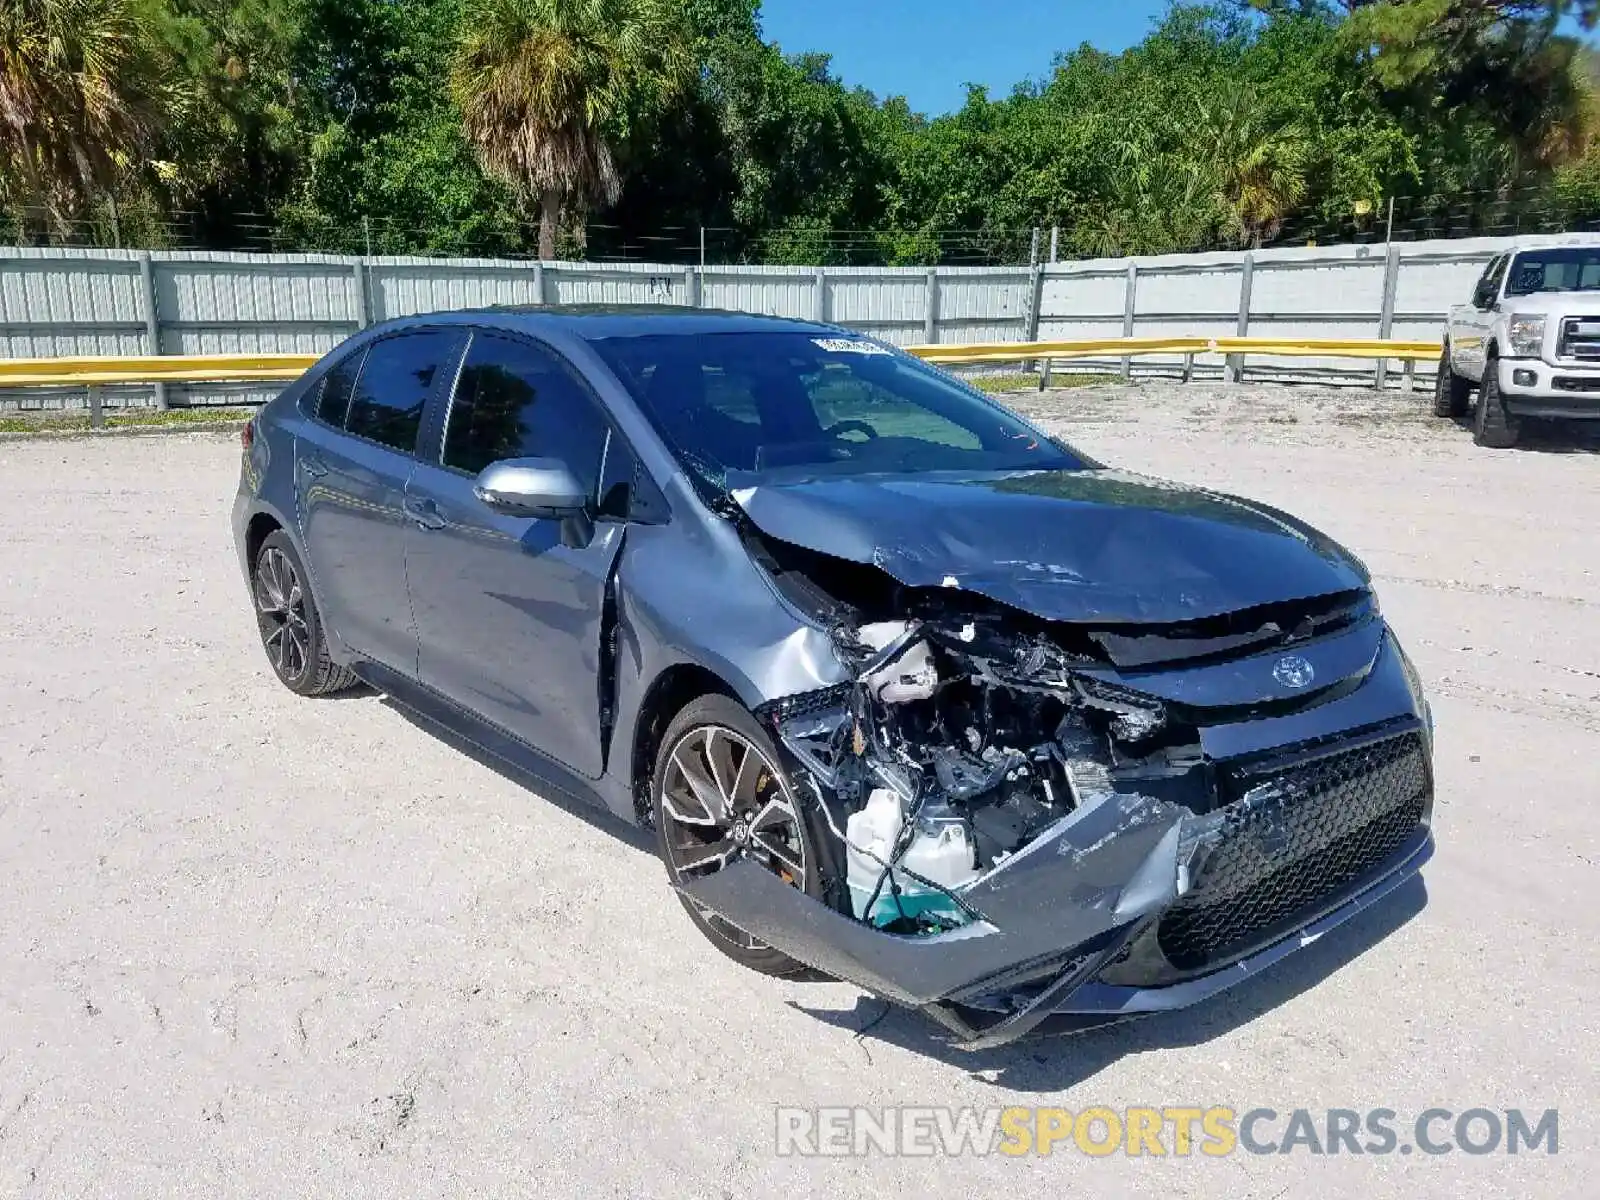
(1450, 391)
(1493, 426)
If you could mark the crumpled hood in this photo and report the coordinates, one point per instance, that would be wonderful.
(1076, 545)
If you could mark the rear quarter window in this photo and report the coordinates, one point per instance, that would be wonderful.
(330, 399)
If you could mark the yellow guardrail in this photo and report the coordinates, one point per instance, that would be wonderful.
(167, 368)
(953, 354)
(238, 368)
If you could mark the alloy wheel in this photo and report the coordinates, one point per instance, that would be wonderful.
(723, 800)
(281, 613)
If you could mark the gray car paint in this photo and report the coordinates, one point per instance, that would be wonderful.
(687, 593)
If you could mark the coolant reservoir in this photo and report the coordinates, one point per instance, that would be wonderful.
(913, 676)
(871, 831)
(941, 852)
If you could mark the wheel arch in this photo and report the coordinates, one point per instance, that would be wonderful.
(256, 531)
(668, 694)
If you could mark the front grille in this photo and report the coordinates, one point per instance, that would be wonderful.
(1291, 838)
(1580, 339)
(1576, 383)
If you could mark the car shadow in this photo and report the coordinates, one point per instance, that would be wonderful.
(550, 783)
(1545, 436)
(1043, 1062)
(1052, 1063)
(356, 691)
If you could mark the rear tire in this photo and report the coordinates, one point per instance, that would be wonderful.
(1450, 392)
(1492, 425)
(714, 803)
(291, 628)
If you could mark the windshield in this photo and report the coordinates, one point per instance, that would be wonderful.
(1568, 269)
(770, 406)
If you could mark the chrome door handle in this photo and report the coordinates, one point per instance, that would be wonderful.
(314, 466)
(425, 513)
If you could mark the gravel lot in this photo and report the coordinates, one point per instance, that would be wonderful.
(253, 944)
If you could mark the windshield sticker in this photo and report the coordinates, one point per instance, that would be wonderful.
(847, 346)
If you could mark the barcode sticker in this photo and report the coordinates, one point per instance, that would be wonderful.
(847, 346)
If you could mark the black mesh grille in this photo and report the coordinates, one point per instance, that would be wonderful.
(1291, 838)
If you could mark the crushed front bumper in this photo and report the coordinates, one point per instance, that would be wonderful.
(1138, 905)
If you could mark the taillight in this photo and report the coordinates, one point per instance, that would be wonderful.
(247, 435)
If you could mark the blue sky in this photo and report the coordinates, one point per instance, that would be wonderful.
(928, 50)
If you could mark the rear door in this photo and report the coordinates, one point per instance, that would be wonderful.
(508, 618)
(351, 471)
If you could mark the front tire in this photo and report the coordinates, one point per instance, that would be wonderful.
(1450, 391)
(291, 628)
(1492, 425)
(720, 794)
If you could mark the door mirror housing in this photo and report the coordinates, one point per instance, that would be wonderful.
(1483, 295)
(531, 487)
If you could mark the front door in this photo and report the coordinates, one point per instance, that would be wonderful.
(351, 470)
(1472, 351)
(509, 618)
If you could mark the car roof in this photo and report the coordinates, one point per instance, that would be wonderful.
(595, 322)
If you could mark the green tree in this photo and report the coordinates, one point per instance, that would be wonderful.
(80, 100)
(546, 87)
(1258, 164)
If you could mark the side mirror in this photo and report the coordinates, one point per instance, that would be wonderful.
(531, 487)
(1483, 296)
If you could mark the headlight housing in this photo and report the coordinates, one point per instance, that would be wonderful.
(1525, 335)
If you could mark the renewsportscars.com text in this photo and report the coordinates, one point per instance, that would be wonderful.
(1177, 1130)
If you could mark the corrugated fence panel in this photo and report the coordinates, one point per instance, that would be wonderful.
(1316, 293)
(1430, 283)
(1067, 297)
(891, 307)
(983, 304)
(623, 283)
(1205, 290)
(55, 306)
(57, 302)
(777, 291)
(400, 287)
(1293, 286)
(1186, 297)
(230, 306)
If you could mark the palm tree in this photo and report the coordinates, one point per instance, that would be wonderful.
(545, 86)
(1260, 166)
(78, 100)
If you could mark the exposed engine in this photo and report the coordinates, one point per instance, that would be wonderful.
(959, 742)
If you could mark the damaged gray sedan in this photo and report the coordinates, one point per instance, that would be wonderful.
(911, 693)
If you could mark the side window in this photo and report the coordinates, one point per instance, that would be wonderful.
(1495, 274)
(394, 386)
(333, 404)
(516, 400)
(1482, 283)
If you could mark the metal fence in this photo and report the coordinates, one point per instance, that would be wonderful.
(69, 301)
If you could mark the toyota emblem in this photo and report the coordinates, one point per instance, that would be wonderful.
(1294, 672)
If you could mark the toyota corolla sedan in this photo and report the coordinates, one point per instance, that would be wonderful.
(911, 693)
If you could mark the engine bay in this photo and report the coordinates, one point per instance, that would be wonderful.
(957, 745)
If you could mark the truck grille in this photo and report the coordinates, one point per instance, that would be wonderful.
(1293, 837)
(1580, 339)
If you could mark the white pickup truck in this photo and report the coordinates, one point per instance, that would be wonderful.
(1529, 341)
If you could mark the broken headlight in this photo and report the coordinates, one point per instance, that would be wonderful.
(1134, 715)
